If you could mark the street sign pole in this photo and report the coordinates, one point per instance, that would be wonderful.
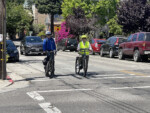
(2, 39)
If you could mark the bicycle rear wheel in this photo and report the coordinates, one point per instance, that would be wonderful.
(47, 70)
(77, 66)
(51, 69)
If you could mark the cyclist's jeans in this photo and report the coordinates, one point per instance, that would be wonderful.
(50, 55)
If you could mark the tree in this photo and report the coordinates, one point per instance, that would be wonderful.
(87, 5)
(106, 10)
(20, 2)
(64, 32)
(18, 19)
(114, 27)
(78, 23)
(51, 7)
(135, 18)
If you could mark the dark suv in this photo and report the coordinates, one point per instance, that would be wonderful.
(137, 46)
(110, 47)
(31, 44)
(67, 44)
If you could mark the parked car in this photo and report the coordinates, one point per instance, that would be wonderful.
(67, 44)
(96, 45)
(12, 51)
(110, 47)
(137, 46)
(31, 44)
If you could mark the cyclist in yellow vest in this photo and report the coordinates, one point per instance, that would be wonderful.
(84, 44)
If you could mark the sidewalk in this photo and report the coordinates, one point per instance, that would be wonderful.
(13, 81)
(5, 83)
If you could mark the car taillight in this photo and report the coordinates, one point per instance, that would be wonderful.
(117, 43)
(144, 45)
(96, 45)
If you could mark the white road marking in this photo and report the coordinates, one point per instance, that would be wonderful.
(139, 87)
(49, 108)
(36, 96)
(65, 90)
(122, 77)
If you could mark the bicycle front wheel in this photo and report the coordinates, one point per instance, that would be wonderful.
(77, 66)
(85, 65)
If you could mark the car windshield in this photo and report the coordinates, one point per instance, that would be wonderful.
(10, 44)
(147, 37)
(100, 41)
(121, 40)
(33, 39)
(72, 40)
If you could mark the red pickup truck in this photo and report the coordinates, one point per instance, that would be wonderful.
(137, 46)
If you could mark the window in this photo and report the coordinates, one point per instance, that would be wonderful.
(134, 38)
(113, 40)
(141, 37)
(148, 37)
(129, 38)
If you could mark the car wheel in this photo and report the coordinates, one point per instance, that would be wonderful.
(64, 48)
(21, 52)
(145, 58)
(26, 54)
(101, 52)
(136, 56)
(111, 53)
(120, 54)
(17, 58)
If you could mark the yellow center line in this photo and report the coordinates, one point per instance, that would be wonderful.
(130, 72)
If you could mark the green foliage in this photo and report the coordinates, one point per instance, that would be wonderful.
(18, 19)
(87, 5)
(41, 34)
(48, 6)
(106, 10)
(38, 28)
(20, 2)
(114, 27)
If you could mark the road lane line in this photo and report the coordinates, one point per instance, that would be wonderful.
(130, 72)
(35, 95)
(122, 77)
(65, 90)
(139, 87)
(49, 108)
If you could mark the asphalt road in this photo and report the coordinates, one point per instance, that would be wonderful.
(112, 86)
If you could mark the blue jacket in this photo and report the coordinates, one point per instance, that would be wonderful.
(49, 44)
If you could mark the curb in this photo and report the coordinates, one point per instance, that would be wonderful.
(10, 80)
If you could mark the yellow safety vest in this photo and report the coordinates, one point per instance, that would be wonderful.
(86, 46)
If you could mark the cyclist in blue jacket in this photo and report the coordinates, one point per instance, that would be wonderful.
(49, 45)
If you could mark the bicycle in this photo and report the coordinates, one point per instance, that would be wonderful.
(49, 69)
(82, 62)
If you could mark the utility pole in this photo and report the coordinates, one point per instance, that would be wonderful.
(2, 39)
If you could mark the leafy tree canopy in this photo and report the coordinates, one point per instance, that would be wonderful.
(106, 10)
(20, 2)
(135, 18)
(78, 22)
(114, 27)
(87, 5)
(48, 6)
(18, 19)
